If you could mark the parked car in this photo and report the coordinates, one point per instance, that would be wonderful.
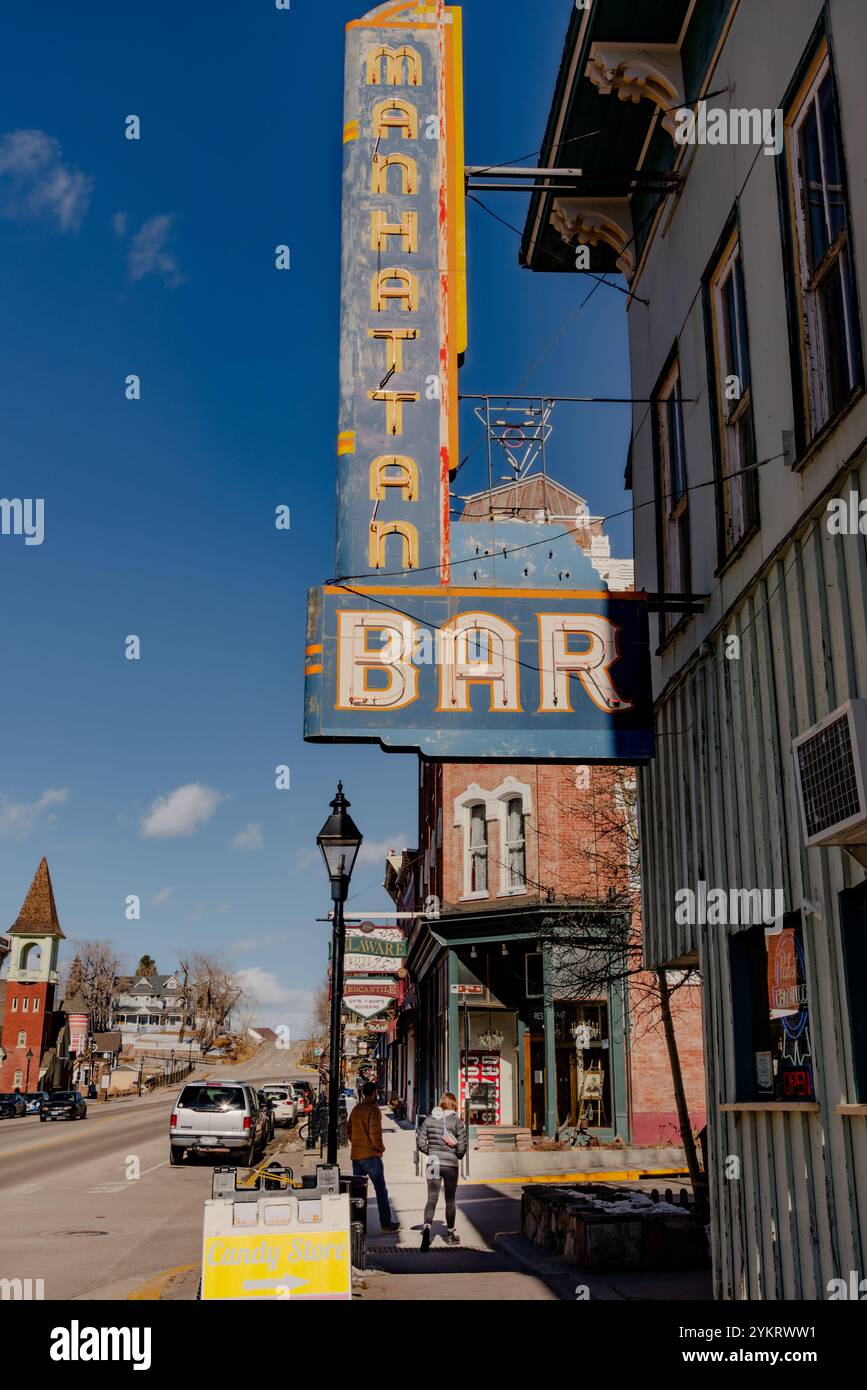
(284, 1102)
(12, 1104)
(34, 1101)
(305, 1096)
(64, 1105)
(214, 1115)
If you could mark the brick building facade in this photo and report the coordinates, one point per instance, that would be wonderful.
(529, 862)
(29, 1022)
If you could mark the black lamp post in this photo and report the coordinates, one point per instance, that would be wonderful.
(29, 1055)
(339, 840)
(172, 1066)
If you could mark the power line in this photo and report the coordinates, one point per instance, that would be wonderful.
(549, 540)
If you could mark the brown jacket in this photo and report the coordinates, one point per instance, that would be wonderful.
(364, 1128)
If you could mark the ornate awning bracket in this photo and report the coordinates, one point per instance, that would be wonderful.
(634, 71)
(587, 221)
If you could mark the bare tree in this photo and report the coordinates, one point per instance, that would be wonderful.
(210, 993)
(598, 946)
(320, 1026)
(91, 975)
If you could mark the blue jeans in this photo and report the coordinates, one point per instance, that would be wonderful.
(372, 1168)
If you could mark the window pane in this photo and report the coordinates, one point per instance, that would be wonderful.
(478, 826)
(741, 307)
(832, 156)
(812, 190)
(837, 367)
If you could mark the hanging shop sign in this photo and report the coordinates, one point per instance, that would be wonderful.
(378, 1025)
(428, 640)
(388, 989)
(367, 965)
(368, 1005)
(373, 946)
(369, 930)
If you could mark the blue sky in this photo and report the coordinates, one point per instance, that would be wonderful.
(156, 257)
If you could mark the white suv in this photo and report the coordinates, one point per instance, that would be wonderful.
(284, 1102)
(218, 1115)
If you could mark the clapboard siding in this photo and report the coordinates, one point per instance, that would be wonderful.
(719, 803)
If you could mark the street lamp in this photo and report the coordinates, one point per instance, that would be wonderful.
(172, 1066)
(29, 1055)
(339, 840)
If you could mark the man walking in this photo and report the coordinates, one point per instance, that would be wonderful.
(364, 1128)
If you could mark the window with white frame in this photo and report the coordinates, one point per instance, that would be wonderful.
(516, 855)
(15, 1003)
(22, 1039)
(672, 490)
(19, 1077)
(478, 851)
(830, 329)
(25, 1004)
(36, 1006)
(737, 451)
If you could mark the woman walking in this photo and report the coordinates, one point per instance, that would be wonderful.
(443, 1137)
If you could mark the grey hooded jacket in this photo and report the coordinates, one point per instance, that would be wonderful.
(429, 1137)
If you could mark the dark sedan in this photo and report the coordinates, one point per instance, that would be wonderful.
(64, 1105)
(12, 1104)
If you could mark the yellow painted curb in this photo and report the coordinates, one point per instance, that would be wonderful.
(597, 1175)
(152, 1291)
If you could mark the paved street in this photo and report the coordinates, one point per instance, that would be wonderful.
(71, 1216)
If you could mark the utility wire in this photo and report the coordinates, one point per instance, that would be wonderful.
(549, 540)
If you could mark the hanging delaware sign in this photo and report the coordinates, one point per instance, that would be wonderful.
(373, 933)
(367, 965)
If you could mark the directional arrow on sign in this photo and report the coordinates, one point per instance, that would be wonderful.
(287, 1281)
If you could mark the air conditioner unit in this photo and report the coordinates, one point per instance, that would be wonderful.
(831, 772)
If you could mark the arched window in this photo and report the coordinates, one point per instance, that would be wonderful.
(516, 860)
(478, 850)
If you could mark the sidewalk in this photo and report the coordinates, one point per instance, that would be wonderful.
(476, 1270)
(493, 1262)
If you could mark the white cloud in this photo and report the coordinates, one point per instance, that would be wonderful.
(119, 224)
(263, 986)
(252, 943)
(273, 1004)
(181, 811)
(248, 838)
(162, 896)
(374, 851)
(35, 183)
(149, 253)
(19, 818)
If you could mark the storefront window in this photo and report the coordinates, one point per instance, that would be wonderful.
(773, 1048)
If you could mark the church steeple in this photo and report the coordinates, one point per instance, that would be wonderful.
(38, 915)
(29, 1021)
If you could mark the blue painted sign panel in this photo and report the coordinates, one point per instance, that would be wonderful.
(487, 673)
(455, 642)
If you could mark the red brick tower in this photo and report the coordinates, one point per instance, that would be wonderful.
(31, 982)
